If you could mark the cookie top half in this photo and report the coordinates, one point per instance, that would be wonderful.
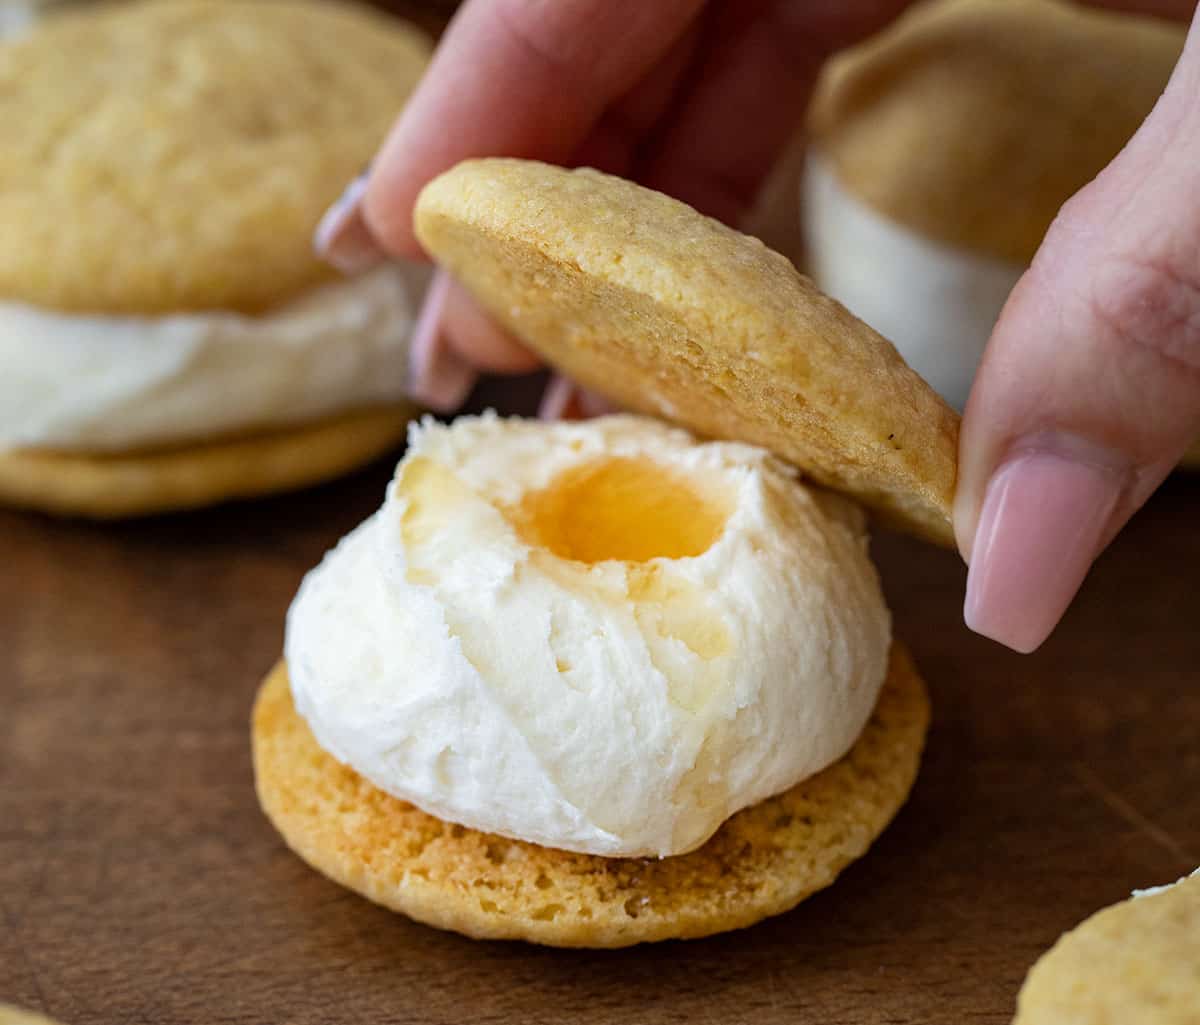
(671, 313)
(171, 155)
(973, 121)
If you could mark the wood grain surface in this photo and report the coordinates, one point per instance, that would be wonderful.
(140, 883)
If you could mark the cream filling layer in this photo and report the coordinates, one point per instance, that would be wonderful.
(100, 383)
(1154, 891)
(936, 303)
(500, 645)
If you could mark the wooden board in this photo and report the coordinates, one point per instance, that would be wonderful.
(140, 883)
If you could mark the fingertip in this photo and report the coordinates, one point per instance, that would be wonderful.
(964, 518)
(1044, 519)
(557, 399)
(342, 238)
(387, 211)
(982, 625)
(438, 377)
(563, 399)
(480, 340)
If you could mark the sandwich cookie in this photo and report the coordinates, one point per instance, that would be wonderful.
(16, 16)
(942, 150)
(1136, 963)
(10, 1015)
(167, 338)
(599, 683)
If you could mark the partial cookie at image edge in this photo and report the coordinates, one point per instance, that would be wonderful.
(10, 1015)
(1136, 963)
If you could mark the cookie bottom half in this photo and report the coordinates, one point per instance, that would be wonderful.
(120, 485)
(761, 862)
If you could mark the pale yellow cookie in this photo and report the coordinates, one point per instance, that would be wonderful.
(169, 156)
(972, 121)
(641, 298)
(10, 1015)
(762, 862)
(139, 484)
(1135, 963)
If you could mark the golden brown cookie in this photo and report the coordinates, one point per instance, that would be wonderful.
(1135, 963)
(972, 121)
(10, 1015)
(139, 484)
(189, 146)
(641, 298)
(762, 862)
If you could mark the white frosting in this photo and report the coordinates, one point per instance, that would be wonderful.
(611, 707)
(936, 303)
(1154, 891)
(16, 16)
(101, 383)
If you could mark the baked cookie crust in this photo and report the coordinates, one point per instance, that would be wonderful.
(671, 313)
(1135, 963)
(121, 485)
(762, 862)
(167, 157)
(1058, 88)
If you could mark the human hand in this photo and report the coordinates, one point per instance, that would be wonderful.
(1089, 391)
(695, 99)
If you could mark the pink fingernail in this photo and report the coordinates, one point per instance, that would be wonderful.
(343, 239)
(1043, 520)
(437, 376)
(558, 399)
(563, 399)
(593, 404)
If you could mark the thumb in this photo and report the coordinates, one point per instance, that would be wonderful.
(1089, 390)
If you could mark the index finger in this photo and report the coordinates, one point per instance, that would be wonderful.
(524, 78)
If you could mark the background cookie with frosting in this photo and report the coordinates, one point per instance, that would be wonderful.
(941, 151)
(598, 683)
(167, 338)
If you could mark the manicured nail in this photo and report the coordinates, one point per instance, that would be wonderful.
(343, 239)
(557, 399)
(1044, 517)
(563, 399)
(437, 376)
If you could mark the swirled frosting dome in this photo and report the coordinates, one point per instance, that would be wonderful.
(602, 636)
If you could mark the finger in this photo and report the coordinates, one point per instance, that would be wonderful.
(476, 338)
(1090, 387)
(749, 92)
(527, 78)
(563, 399)
(437, 376)
(342, 238)
(557, 400)
(623, 128)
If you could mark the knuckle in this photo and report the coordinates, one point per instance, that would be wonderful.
(1148, 301)
(542, 33)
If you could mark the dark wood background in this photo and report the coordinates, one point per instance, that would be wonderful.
(139, 883)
